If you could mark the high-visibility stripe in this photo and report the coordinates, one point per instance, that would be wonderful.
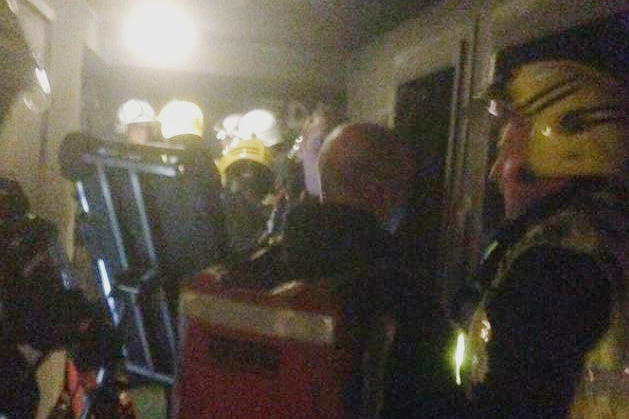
(278, 322)
(553, 94)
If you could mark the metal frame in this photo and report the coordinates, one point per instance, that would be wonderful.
(131, 311)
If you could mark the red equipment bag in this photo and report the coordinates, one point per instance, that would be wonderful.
(280, 353)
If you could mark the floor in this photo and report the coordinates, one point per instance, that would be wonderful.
(149, 401)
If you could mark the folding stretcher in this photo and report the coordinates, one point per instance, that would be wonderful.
(148, 216)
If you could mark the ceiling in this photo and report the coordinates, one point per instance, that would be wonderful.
(249, 53)
(267, 38)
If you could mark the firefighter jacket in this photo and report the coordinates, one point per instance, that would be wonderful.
(550, 338)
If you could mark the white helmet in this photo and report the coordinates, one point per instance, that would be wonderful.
(260, 124)
(134, 111)
(179, 117)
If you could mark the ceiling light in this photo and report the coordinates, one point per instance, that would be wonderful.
(160, 33)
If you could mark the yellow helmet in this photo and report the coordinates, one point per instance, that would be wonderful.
(246, 168)
(252, 150)
(179, 117)
(579, 123)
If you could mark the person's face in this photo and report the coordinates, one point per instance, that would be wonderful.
(139, 133)
(520, 188)
(510, 165)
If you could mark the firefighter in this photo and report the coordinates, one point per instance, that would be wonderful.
(352, 241)
(137, 120)
(549, 339)
(298, 175)
(247, 179)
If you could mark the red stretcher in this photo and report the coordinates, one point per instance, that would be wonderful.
(280, 353)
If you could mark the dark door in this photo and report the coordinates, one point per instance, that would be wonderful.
(422, 118)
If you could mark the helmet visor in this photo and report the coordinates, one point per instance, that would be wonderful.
(490, 114)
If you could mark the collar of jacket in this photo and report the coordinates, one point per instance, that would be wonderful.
(595, 194)
(576, 194)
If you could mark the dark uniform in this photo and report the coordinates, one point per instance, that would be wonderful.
(364, 264)
(40, 312)
(550, 338)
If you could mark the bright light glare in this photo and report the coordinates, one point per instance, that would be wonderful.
(459, 356)
(37, 98)
(160, 33)
(106, 284)
(493, 108)
(82, 197)
(42, 79)
(104, 276)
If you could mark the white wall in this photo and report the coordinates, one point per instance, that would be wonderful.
(20, 140)
(420, 45)
(71, 30)
(24, 154)
(425, 44)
